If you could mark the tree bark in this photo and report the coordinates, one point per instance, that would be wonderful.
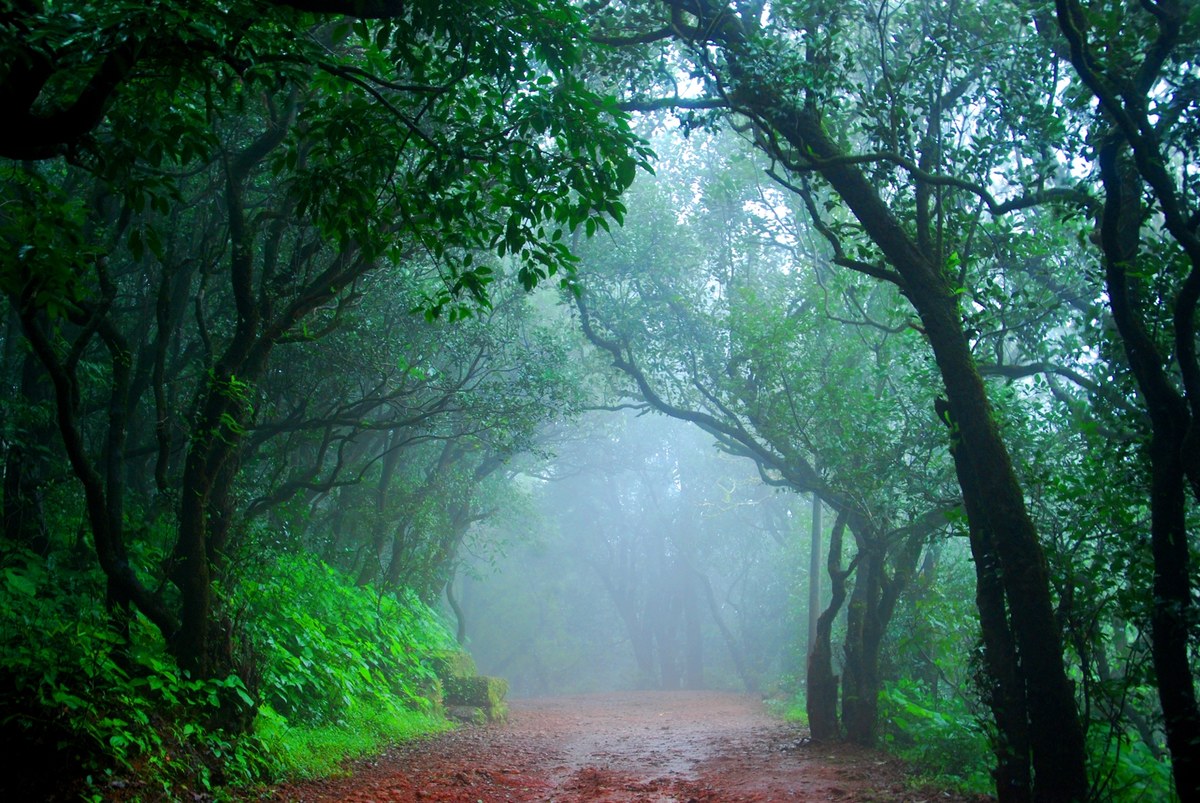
(872, 604)
(794, 131)
(821, 685)
(860, 682)
(1005, 690)
(814, 575)
(460, 618)
(1056, 733)
(1170, 423)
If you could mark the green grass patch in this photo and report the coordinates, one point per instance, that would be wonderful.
(304, 751)
(792, 708)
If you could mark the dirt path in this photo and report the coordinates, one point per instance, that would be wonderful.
(650, 747)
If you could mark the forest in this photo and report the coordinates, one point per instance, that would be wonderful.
(838, 352)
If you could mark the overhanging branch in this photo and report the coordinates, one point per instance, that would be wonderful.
(674, 102)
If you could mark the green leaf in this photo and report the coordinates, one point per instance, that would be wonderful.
(20, 583)
(626, 173)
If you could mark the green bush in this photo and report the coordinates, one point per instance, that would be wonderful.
(943, 739)
(321, 642)
(1123, 767)
(343, 671)
(339, 672)
(95, 710)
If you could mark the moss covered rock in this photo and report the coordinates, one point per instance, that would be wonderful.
(479, 691)
(431, 690)
(467, 714)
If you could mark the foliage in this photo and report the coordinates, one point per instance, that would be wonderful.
(235, 184)
(323, 644)
(983, 157)
(219, 218)
(79, 698)
(943, 738)
(321, 750)
(341, 671)
(1125, 768)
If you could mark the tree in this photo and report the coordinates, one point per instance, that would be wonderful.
(739, 346)
(304, 155)
(1139, 65)
(875, 119)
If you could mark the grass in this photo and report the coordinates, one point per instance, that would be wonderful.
(316, 752)
(790, 709)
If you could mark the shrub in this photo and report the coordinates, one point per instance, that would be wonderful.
(322, 642)
(104, 714)
(95, 710)
(942, 738)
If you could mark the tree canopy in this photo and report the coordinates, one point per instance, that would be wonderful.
(269, 273)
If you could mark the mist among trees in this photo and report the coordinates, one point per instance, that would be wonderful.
(840, 353)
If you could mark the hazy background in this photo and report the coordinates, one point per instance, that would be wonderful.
(641, 557)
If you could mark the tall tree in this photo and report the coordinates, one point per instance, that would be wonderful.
(1139, 64)
(876, 103)
(739, 345)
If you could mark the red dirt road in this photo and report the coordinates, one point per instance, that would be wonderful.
(648, 747)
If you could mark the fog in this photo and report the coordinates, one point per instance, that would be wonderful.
(642, 557)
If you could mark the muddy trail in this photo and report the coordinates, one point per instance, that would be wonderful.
(649, 747)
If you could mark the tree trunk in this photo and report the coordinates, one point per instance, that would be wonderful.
(1056, 735)
(460, 618)
(1005, 691)
(814, 575)
(380, 521)
(872, 605)
(859, 696)
(103, 486)
(821, 685)
(1171, 614)
(1171, 423)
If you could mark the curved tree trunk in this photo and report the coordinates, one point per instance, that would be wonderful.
(821, 685)
(1172, 429)
(872, 604)
(795, 130)
(1005, 691)
(460, 618)
(860, 676)
(1056, 734)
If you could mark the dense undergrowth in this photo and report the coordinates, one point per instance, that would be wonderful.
(947, 743)
(333, 671)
